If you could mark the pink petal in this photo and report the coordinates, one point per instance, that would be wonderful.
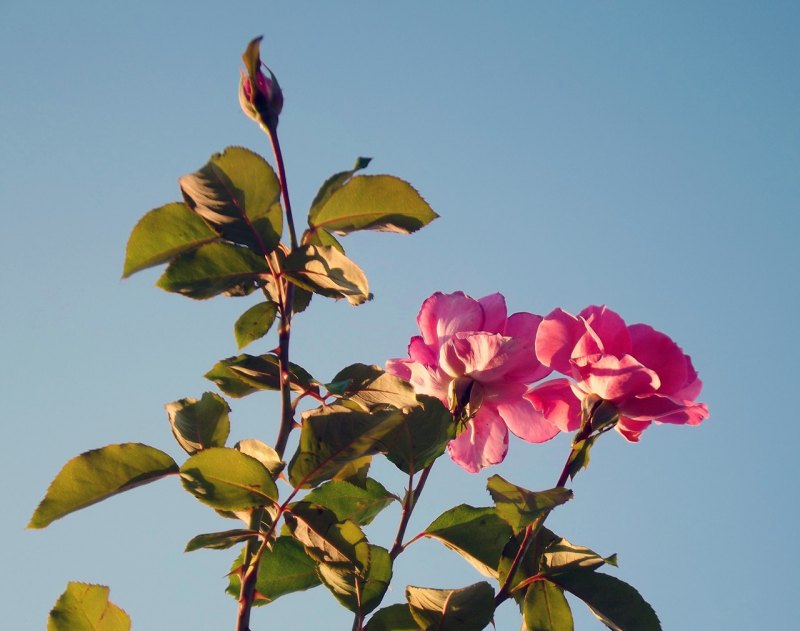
(484, 442)
(631, 430)
(615, 378)
(659, 353)
(420, 352)
(556, 338)
(690, 415)
(557, 402)
(442, 315)
(610, 329)
(494, 313)
(430, 381)
(478, 355)
(527, 368)
(519, 414)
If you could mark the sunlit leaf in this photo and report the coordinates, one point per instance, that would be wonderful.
(285, 568)
(545, 608)
(334, 183)
(199, 423)
(244, 374)
(98, 474)
(467, 609)
(372, 202)
(214, 269)
(254, 323)
(563, 556)
(349, 501)
(334, 436)
(326, 271)
(618, 605)
(262, 452)
(227, 479)
(237, 192)
(477, 534)
(371, 386)
(162, 234)
(220, 540)
(84, 607)
(519, 506)
(392, 618)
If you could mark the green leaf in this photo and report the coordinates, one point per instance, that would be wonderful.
(98, 474)
(372, 202)
(322, 237)
(467, 609)
(579, 456)
(326, 538)
(285, 568)
(327, 272)
(371, 386)
(520, 507)
(334, 436)
(349, 501)
(334, 183)
(422, 437)
(531, 562)
(199, 424)
(477, 534)
(84, 607)
(357, 593)
(214, 269)
(562, 556)
(227, 479)
(244, 374)
(262, 452)
(238, 193)
(546, 608)
(254, 323)
(392, 618)
(220, 540)
(618, 605)
(162, 234)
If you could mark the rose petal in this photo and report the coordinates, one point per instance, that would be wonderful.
(631, 430)
(615, 378)
(556, 337)
(420, 352)
(558, 403)
(484, 442)
(520, 415)
(609, 328)
(522, 328)
(442, 315)
(659, 353)
(494, 313)
(425, 380)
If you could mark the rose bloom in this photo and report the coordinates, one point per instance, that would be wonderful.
(643, 373)
(478, 361)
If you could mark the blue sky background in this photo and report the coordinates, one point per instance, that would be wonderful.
(638, 154)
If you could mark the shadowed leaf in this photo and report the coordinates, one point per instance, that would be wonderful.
(467, 609)
(220, 540)
(545, 608)
(520, 507)
(349, 501)
(199, 424)
(327, 272)
(392, 618)
(422, 437)
(254, 323)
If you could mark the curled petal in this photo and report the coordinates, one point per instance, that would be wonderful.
(442, 315)
(420, 352)
(429, 381)
(558, 403)
(609, 328)
(556, 337)
(484, 442)
(494, 314)
(631, 430)
(659, 353)
(615, 378)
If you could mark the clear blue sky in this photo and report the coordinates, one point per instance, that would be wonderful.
(639, 154)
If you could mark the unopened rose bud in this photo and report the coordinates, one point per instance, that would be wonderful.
(259, 95)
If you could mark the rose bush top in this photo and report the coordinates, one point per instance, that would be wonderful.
(642, 372)
(479, 361)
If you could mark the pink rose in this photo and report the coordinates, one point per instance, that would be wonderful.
(478, 361)
(642, 372)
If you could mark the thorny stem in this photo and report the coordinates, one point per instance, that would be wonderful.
(249, 574)
(410, 501)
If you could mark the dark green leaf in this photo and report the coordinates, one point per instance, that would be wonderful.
(531, 561)
(467, 609)
(422, 437)
(392, 618)
(98, 474)
(477, 534)
(327, 539)
(618, 605)
(520, 507)
(244, 374)
(84, 607)
(327, 272)
(352, 502)
(354, 591)
(285, 568)
(371, 386)
(220, 540)
(546, 608)
(237, 192)
(579, 456)
(162, 234)
(213, 269)
(262, 452)
(334, 436)
(563, 556)
(227, 479)
(199, 424)
(372, 202)
(254, 323)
